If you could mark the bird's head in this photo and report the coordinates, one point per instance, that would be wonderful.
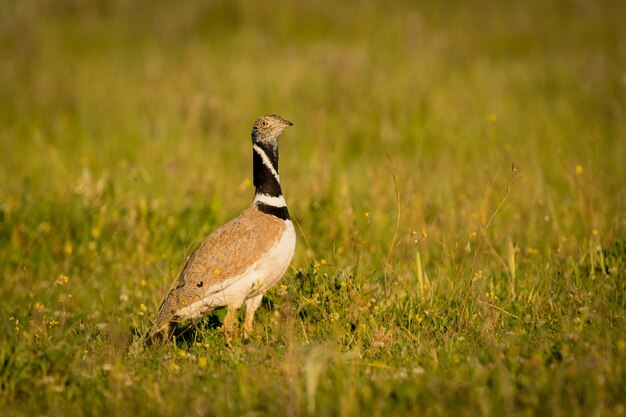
(268, 128)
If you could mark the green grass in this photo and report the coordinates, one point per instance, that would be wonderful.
(430, 277)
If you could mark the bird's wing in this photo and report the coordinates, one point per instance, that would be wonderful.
(224, 255)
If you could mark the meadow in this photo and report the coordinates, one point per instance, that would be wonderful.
(455, 170)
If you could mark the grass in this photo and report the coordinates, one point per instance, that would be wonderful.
(456, 173)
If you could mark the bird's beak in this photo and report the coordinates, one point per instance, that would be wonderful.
(286, 122)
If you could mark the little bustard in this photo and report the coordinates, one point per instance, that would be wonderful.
(241, 260)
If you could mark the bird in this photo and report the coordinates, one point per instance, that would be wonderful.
(242, 259)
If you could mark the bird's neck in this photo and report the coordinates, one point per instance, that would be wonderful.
(265, 169)
(268, 195)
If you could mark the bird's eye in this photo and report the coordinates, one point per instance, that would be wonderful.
(264, 123)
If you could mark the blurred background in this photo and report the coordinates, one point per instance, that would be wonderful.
(139, 109)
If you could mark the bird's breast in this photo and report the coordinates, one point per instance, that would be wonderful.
(270, 269)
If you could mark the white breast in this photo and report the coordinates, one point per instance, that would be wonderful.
(258, 278)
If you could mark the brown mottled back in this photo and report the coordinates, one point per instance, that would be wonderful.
(224, 254)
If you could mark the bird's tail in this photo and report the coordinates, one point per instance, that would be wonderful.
(158, 334)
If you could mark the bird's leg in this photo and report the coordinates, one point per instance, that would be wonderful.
(229, 322)
(251, 305)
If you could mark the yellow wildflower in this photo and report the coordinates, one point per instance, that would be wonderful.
(62, 279)
(478, 275)
(202, 362)
(531, 251)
